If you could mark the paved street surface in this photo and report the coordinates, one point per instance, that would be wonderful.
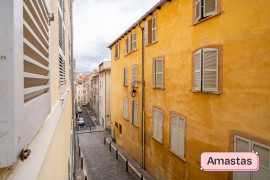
(101, 164)
(87, 120)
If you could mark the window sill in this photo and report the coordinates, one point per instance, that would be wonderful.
(151, 43)
(162, 88)
(116, 58)
(160, 142)
(177, 155)
(205, 92)
(125, 118)
(125, 85)
(205, 19)
(130, 52)
(135, 125)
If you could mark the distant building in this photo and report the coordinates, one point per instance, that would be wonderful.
(105, 94)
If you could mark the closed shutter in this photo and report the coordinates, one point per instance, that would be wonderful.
(129, 44)
(210, 69)
(134, 75)
(210, 7)
(154, 25)
(181, 136)
(125, 111)
(155, 123)
(126, 77)
(118, 48)
(198, 12)
(135, 113)
(241, 145)
(197, 70)
(134, 44)
(174, 133)
(115, 51)
(146, 33)
(160, 125)
(158, 76)
(126, 46)
(264, 153)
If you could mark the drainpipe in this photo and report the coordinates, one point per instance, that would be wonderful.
(142, 164)
(72, 92)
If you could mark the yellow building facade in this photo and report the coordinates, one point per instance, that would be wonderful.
(214, 107)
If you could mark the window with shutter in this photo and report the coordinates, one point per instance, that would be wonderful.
(178, 134)
(134, 75)
(157, 124)
(118, 49)
(129, 43)
(146, 33)
(150, 31)
(125, 76)
(158, 73)
(197, 71)
(125, 108)
(134, 41)
(205, 8)
(135, 113)
(210, 70)
(126, 46)
(154, 29)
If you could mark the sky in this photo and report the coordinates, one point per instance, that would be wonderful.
(97, 23)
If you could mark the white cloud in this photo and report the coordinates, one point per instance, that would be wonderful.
(97, 23)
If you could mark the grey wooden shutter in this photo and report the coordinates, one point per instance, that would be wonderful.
(118, 50)
(155, 123)
(125, 77)
(146, 33)
(125, 110)
(198, 10)
(181, 136)
(174, 133)
(135, 113)
(129, 43)
(126, 46)
(210, 70)
(115, 51)
(241, 145)
(158, 76)
(210, 7)
(134, 75)
(264, 153)
(197, 70)
(160, 125)
(154, 26)
(134, 44)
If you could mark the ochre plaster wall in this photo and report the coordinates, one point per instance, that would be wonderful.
(242, 29)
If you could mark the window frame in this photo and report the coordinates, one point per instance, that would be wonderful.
(220, 70)
(118, 51)
(218, 12)
(162, 129)
(154, 72)
(148, 30)
(183, 158)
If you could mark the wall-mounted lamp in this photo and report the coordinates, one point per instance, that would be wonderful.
(133, 92)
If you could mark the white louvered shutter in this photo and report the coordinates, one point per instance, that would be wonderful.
(210, 7)
(134, 39)
(135, 113)
(174, 133)
(210, 70)
(198, 10)
(160, 125)
(126, 46)
(146, 33)
(129, 43)
(125, 111)
(115, 51)
(181, 136)
(126, 77)
(154, 27)
(134, 75)
(241, 145)
(264, 153)
(197, 70)
(155, 123)
(158, 76)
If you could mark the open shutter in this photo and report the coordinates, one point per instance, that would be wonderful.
(146, 33)
(197, 70)
(115, 49)
(159, 73)
(174, 133)
(210, 69)
(154, 25)
(150, 40)
(181, 136)
(264, 152)
(198, 11)
(160, 125)
(118, 48)
(241, 145)
(155, 123)
(129, 43)
(210, 7)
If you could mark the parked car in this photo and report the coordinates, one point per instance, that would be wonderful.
(80, 122)
(79, 110)
(84, 104)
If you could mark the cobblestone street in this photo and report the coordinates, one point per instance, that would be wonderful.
(101, 164)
